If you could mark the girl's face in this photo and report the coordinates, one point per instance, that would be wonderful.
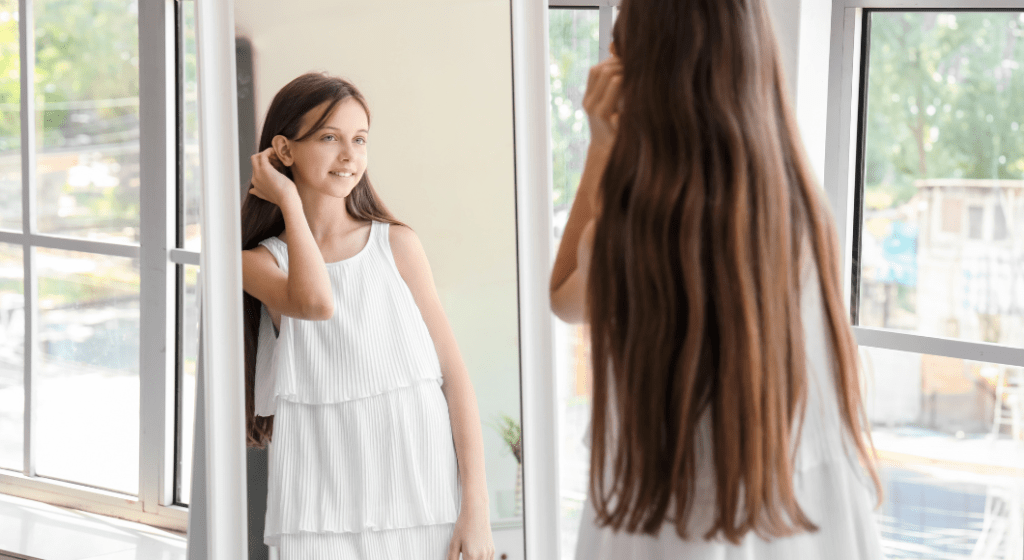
(333, 159)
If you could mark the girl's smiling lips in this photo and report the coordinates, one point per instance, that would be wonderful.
(342, 173)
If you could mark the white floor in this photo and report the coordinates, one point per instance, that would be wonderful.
(47, 532)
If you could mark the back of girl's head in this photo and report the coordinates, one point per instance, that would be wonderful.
(262, 219)
(706, 206)
(697, 65)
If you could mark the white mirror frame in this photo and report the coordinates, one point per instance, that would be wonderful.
(221, 265)
(538, 389)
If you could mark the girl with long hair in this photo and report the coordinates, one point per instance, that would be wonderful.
(349, 358)
(727, 418)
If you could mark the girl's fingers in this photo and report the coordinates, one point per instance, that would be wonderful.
(591, 80)
(257, 162)
(604, 77)
(609, 103)
(595, 84)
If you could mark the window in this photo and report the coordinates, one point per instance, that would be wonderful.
(925, 114)
(188, 238)
(975, 214)
(933, 98)
(90, 251)
(998, 223)
(952, 215)
(578, 39)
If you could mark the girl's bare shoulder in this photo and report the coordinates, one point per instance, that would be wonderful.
(406, 248)
(405, 244)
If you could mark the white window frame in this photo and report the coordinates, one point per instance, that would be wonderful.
(158, 257)
(844, 87)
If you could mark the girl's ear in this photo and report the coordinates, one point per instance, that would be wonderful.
(283, 149)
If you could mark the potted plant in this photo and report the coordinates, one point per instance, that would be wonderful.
(512, 434)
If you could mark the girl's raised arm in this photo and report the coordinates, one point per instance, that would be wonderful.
(569, 274)
(305, 291)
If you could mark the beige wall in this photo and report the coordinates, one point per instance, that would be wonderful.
(438, 78)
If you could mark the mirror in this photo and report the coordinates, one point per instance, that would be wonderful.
(437, 77)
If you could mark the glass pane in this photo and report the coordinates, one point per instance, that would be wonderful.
(574, 49)
(10, 117)
(87, 115)
(189, 333)
(12, 353)
(950, 440)
(943, 196)
(191, 238)
(88, 369)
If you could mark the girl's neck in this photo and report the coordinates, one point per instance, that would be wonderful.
(327, 216)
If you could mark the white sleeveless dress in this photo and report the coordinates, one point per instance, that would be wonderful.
(362, 462)
(831, 488)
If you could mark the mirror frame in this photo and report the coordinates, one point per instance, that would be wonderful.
(538, 383)
(222, 282)
(221, 266)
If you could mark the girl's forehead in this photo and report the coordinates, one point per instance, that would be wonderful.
(348, 114)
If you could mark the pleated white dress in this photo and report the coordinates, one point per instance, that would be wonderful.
(362, 463)
(831, 487)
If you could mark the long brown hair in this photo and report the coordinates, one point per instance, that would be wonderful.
(694, 290)
(262, 219)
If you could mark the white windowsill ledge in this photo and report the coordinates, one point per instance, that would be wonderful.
(36, 530)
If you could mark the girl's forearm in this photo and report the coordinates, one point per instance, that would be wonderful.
(468, 438)
(581, 213)
(308, 282)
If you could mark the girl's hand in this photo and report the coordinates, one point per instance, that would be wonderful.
(601, 101)
(268, 182)
(472, 537)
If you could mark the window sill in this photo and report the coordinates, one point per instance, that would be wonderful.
(35, 530)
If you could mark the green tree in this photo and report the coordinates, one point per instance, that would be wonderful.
(945, 99)
(86, 98)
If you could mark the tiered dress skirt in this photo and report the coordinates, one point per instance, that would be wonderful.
(371, 477)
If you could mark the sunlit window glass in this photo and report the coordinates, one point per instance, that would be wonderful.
(188, 238)
(87, 118)
(574, 48)
(941, 219)
(189, 122)
(12, 357)
(187, 380)
(10, 117)
(950, 443)
(942, 205)
(87, 374)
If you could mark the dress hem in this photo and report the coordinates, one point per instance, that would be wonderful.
(274, 539)
(289, 397)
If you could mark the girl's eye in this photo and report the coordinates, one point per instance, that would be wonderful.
(361, 140)
(330, 137)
